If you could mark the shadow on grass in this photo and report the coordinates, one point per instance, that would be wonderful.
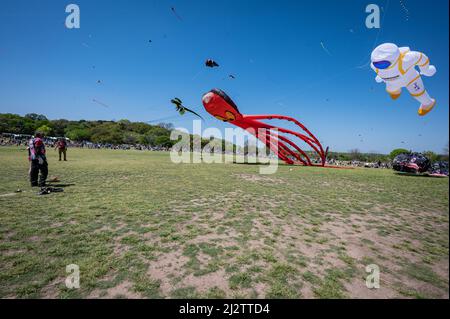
(59, 185)
(265, 164)
(418, 175)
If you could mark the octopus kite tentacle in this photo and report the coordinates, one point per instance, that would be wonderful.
(267, 141)
(272, 135)
(303, 137)
(285, 149)
(311, 137)
(282, 117)
(298, 149)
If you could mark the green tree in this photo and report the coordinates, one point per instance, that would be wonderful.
(163, 141)
(78, 134)
(397, 151)
(148, 139)
(431, 156)
(45, 129)
(36, 117)
(355, 155)
(130, 138)
(107, 133)
(59, 127)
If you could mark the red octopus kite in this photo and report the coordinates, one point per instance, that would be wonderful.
(219, 105)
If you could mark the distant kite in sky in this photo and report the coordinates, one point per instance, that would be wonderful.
(211, 63)
(325, 49)
(101, 103)
(176, 14)
(397, 68)
(181, 108)
(232, 76)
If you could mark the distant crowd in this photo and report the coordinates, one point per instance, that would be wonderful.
(137, 147)
(22, 140)
(378, 164)
(8, 141)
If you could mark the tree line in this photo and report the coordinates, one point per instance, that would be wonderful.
(99, 132)
(104, 132)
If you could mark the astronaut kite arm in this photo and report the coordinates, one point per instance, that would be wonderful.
(419, 59)
(424, 65)
(378, 79)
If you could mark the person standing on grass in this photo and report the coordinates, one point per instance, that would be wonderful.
(61, 145)
(38, 160)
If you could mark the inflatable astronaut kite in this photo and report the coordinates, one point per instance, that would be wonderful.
(396, 67)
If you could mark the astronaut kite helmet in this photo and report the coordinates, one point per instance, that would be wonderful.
(385, 55)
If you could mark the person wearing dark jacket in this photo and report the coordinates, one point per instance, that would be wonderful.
(38, 161)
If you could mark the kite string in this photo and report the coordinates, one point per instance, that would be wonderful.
(99, 102)
(325, 49)
(352, 68)
(376, 38)
(164, 119)
(197, 74)
(405, 9)
(307, 88)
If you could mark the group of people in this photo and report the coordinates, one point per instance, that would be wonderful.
(38, 158)
(354, 163)
(6, 141)
(138, 147)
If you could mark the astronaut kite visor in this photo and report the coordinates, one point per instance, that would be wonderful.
(382, 64)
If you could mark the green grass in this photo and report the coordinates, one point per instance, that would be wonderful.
(425, 274)
(218, 230)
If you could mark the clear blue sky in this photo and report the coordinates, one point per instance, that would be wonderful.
(272, 47)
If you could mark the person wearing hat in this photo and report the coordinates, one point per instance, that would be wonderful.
(38, 161)
(61, 145)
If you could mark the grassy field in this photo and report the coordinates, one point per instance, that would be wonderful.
(139, 226)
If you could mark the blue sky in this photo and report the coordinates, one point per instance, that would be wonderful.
(272, 47)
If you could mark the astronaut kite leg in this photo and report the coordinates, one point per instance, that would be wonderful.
(394, 91)
(418, 91)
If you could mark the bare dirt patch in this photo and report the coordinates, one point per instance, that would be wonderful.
(122, 290)
(51, 290)
(165, 267)
(357, 288)
(260, 178)
(203, 283)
